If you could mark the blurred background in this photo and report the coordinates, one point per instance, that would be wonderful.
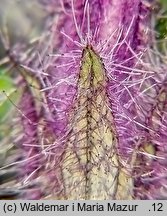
(21, 26)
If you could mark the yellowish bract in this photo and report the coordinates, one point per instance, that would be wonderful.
(90, 168)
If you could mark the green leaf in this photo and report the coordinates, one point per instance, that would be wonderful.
(163, 3)
(161, 23)
(2, 71)
(6, 83)
(8, 104)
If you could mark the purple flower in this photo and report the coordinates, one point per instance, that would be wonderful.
(103, 131)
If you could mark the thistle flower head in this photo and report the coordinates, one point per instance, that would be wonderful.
(100, 133)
